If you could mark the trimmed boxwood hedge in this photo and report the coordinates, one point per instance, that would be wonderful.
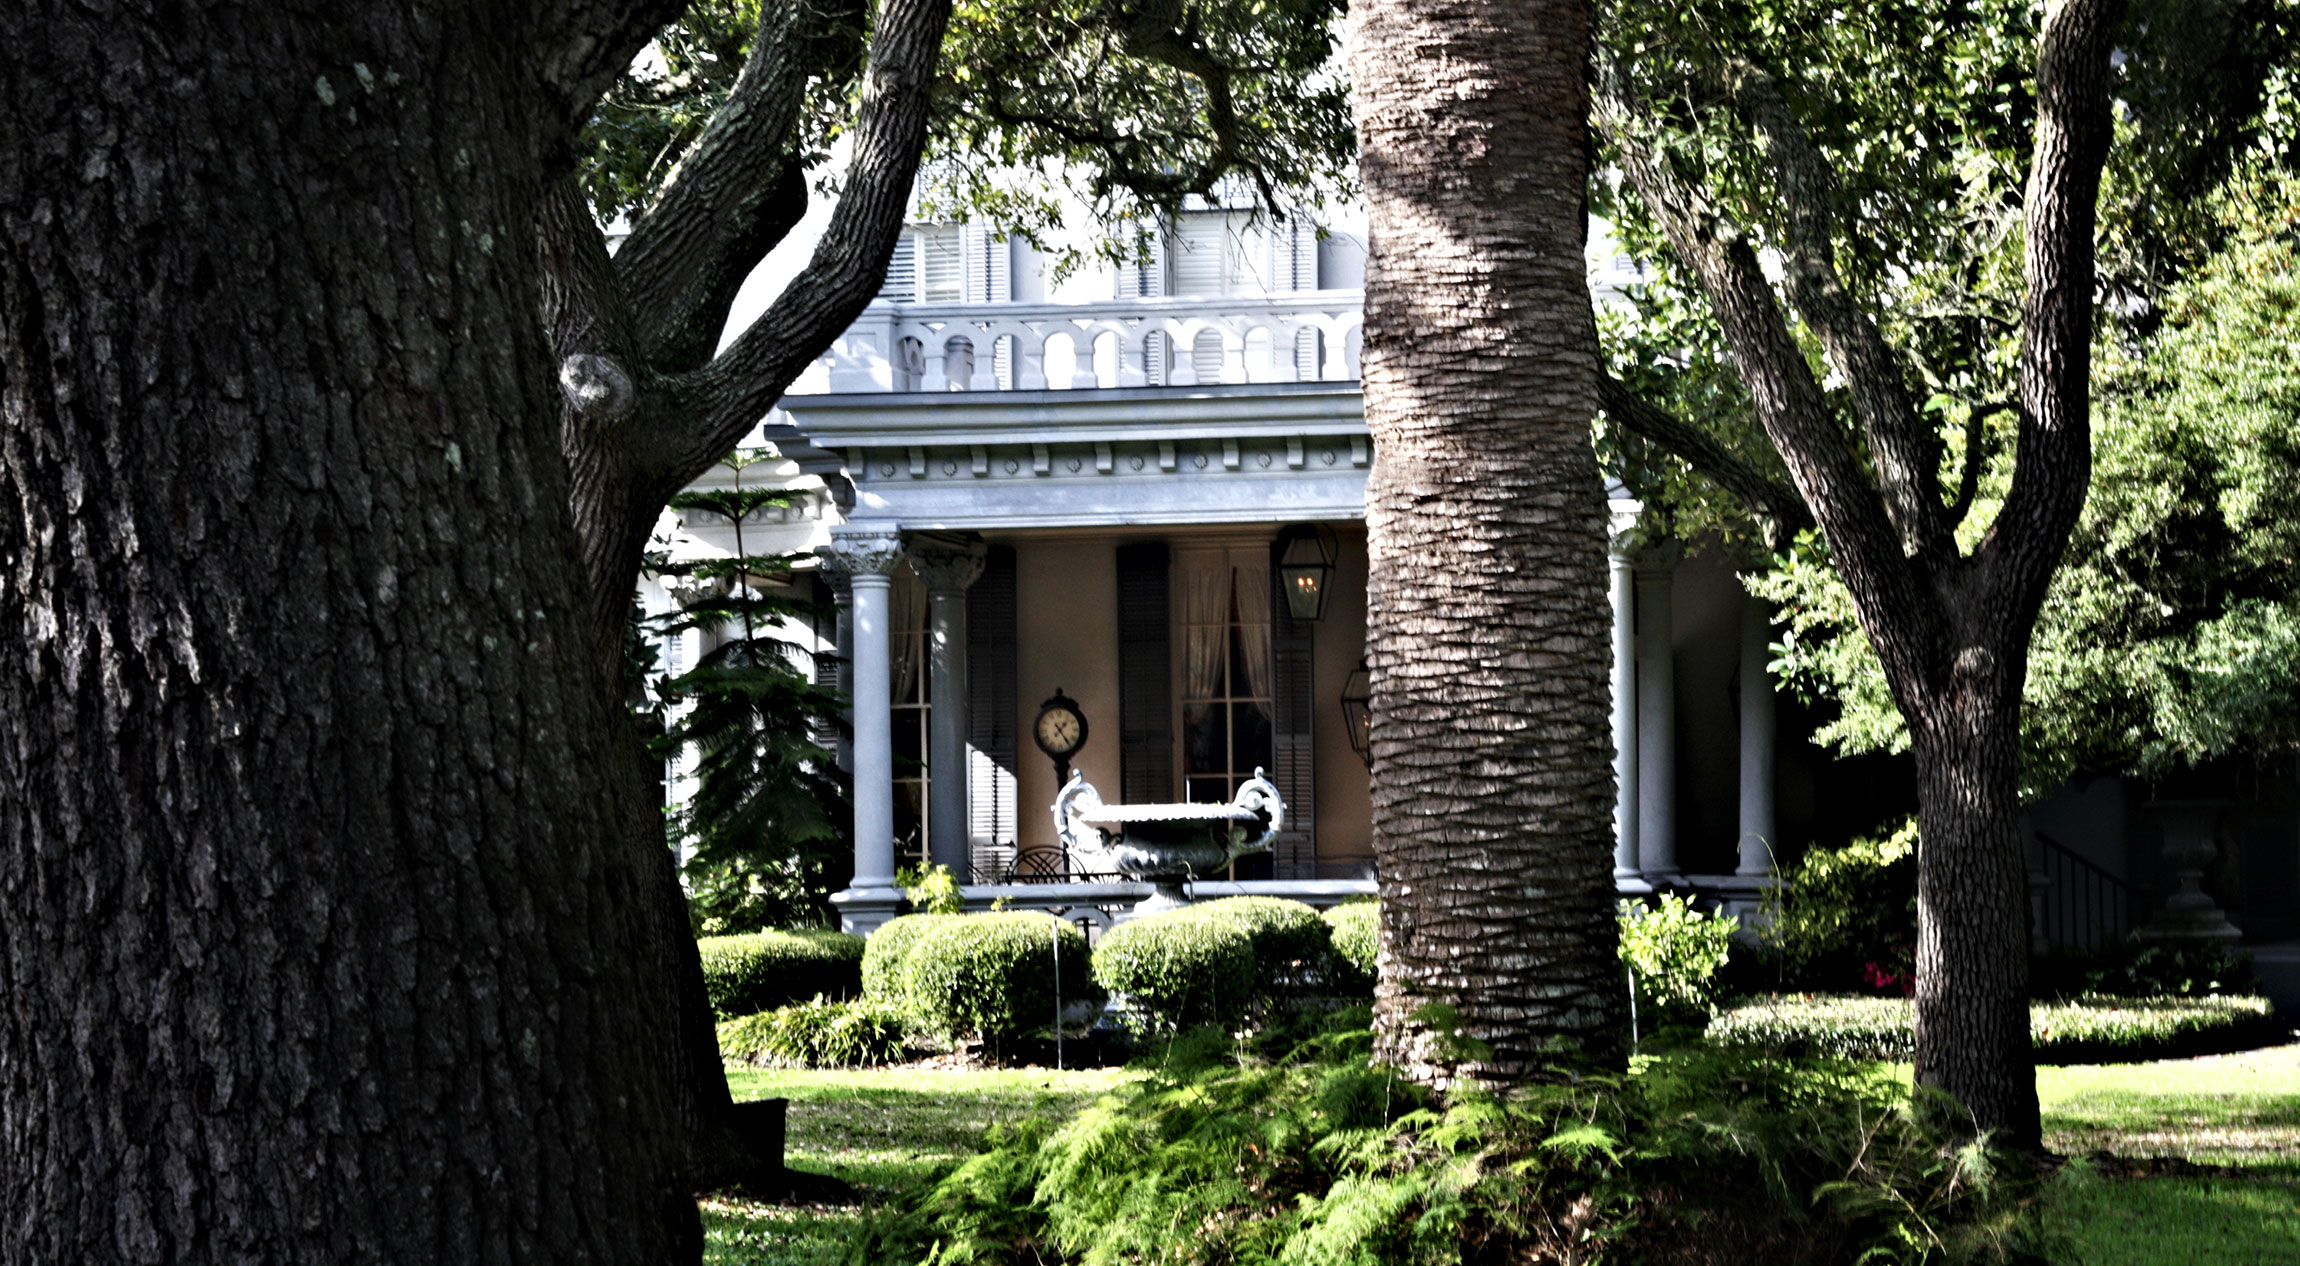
(759, 971)
(1179, 970)
(1357, 935)
(2085, 1031)
(1292, 945)
(993, 976)
(888, 950)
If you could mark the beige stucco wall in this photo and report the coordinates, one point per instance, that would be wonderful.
(1066, 635)
(1066, 592)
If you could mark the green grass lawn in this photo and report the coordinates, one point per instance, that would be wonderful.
(885, 1130)
(881, 1130)
(2239, 1111)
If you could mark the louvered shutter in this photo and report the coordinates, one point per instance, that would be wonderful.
(991, 728)
(1145, 677)
(902, 270)
(941, 263)
(1199, 258)
(1292, 689)
(989, 279)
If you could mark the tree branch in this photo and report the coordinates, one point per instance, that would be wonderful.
(1779, 512)
(583, 45)
(1903, 450)
(2053, 463)
(736, 192)
(716, 404)
(1835, 487)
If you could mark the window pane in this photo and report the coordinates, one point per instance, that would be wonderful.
(1250, 739)
(1202, 750)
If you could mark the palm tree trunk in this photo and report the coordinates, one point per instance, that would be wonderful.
(1487, 619)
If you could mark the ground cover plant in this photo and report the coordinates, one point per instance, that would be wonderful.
(2090, 1030)
(891, 1131)
(1319, 1155)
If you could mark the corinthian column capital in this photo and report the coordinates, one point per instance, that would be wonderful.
(864, 551)
(946, 564)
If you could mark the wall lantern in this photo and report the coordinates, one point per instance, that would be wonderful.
(1358, 713)
(1306, 568)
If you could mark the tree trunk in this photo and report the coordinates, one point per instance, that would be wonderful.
(1487, 624)
(1972, 917)
(321, 942)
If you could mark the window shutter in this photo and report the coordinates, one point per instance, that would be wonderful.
(902, 270)
(941, 264)
(991, 742)
(1200, 253)
(1293, 689)
(1145, 677)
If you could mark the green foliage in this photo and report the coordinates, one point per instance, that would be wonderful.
(2084, 1031)
(1249, 93)
(1292, 945)
(2172, 632)
(1319, 1156)
(2146, 969)
(1847, 916)
(753, 972)
(930, 889)
(1673, 952)
(765, 829)
(1178, 971)
(886, 957)
(656, 111)
(1357, 933)
(993, 977)
(819, 1033)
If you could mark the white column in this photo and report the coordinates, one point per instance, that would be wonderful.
(1656, 716)
(869, 556)
(843, 647)
(1624, 595)
(1759, 831)
(948, 567)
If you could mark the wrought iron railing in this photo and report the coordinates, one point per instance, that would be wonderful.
(2079, 905)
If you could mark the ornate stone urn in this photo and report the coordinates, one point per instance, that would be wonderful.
(1168, 844)
(2189, 913)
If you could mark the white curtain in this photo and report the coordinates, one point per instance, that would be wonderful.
(1254, 632)
(906, 621)
(1205, 622)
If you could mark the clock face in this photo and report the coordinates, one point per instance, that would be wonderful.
(1060, 731)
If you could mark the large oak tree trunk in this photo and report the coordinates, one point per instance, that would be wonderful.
(321, 943)
(1972, 920)
(1487, 624)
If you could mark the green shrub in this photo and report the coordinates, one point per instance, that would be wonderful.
(1292, 945)
(1357, 933)
(1179, 970)
(821, 1033)
(931, 889)
(1319, 1156)
(2146, 969)
(993, 976)
(887, 954)
(762, 970)
(2087, 1031)
(1840, 918)
(1673, 952)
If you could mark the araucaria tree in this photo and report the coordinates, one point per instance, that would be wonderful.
(1487, 621)
(1706, 132)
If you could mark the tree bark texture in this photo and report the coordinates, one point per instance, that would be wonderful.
(1488, 630)
(1951, 629)
(646, 407)
(321, 941)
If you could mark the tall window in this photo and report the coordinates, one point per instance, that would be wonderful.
(906, 635)
(1225, 696)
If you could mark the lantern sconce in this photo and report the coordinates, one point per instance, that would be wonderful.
(1358, 713)
(1306, 553)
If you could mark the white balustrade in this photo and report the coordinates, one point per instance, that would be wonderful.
(1311, 335)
